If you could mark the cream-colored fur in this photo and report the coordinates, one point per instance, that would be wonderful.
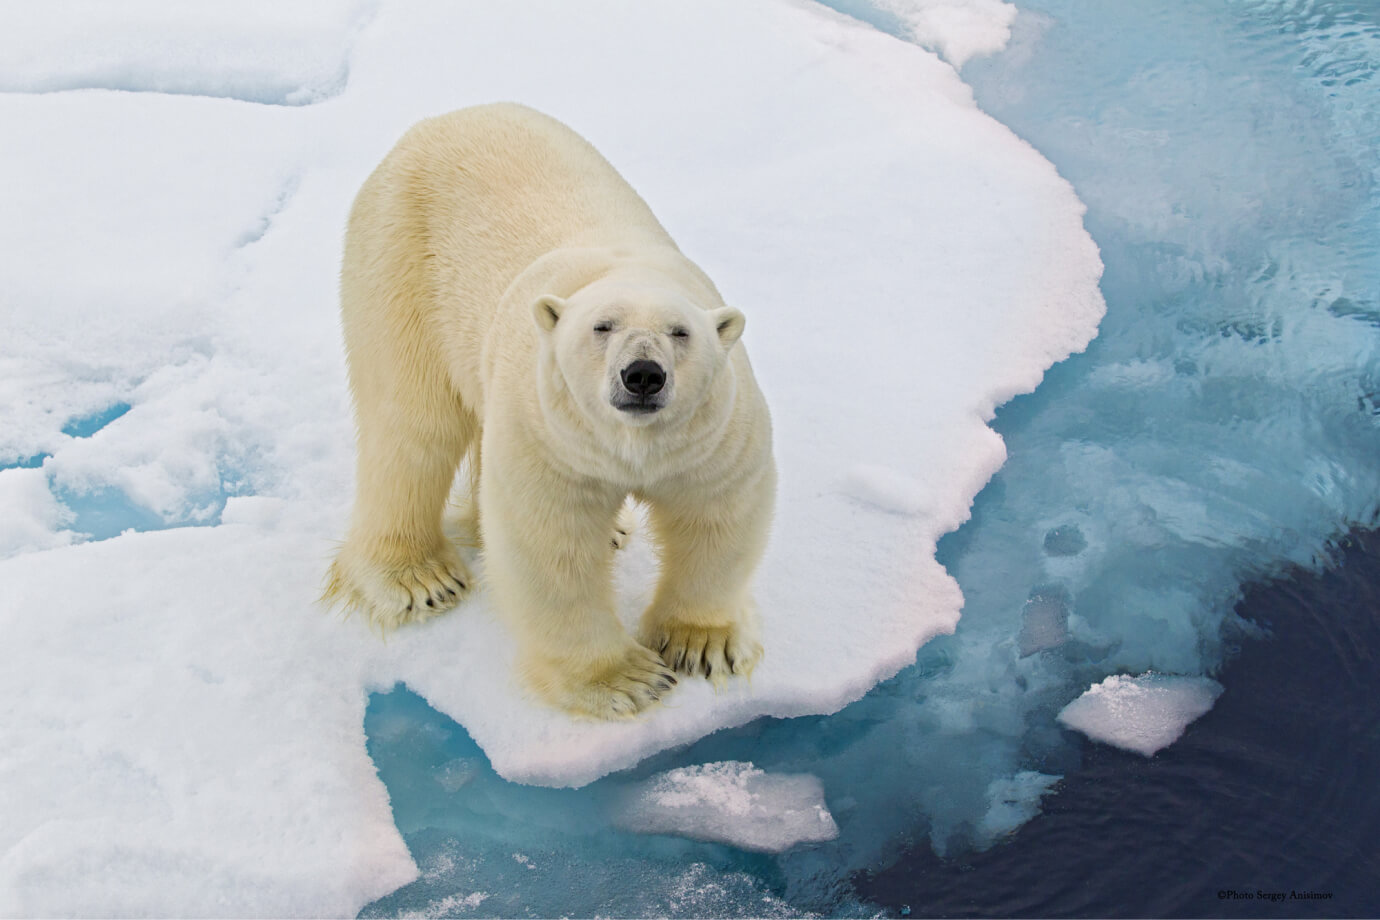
(499, 279)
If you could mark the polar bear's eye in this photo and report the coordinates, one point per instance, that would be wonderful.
(680, 332)
(603, 327)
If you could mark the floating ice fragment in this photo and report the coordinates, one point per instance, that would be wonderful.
(1044, 620)
(455, 774)
(731, 802)
(1012, 801)
(1142, 714)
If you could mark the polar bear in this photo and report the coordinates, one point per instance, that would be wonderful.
(509, 300)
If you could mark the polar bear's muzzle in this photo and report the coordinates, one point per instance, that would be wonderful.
(643, 389)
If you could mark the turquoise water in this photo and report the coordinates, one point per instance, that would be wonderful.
(1224, 429)
(86, 426)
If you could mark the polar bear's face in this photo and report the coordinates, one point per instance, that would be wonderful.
(637, 357)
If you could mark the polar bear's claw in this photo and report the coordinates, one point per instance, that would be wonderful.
(621, 689)
(713, 652)
(393, 595)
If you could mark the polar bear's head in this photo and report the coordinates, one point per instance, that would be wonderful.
(636, 356)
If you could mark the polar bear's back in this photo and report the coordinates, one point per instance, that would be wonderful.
(527, 173)
(459, 208)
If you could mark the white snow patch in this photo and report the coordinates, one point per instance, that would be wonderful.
(887, 489)
(957, 29)
(30, 518)
(734, 803)
(254, 50)
(1142, 714)
(185, 731)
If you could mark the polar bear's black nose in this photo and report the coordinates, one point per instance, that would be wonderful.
(643, 377)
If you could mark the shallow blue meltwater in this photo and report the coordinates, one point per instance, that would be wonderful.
(1168, 499)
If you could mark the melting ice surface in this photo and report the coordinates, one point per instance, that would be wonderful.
(191, 736)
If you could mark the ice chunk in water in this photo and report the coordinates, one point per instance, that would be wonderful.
(731, 802)
(1012, 801)
(455, 774)
(1044, 620)
(1143, 714)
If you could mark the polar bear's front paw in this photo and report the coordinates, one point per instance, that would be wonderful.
(631, 683)
(714, 652)
(398, 593)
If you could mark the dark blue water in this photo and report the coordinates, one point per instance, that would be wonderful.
(1223, 431)
(1273, 791)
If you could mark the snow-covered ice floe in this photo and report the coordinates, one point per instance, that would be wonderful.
(731, 802)
(184, 724)
(260, 51)
(1143, 714)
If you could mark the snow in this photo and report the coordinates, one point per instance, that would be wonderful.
(185, 726)
(957, 29)
(731, 802)
(255, 50)
(886, 489)
(33, 518)
(1142, 714)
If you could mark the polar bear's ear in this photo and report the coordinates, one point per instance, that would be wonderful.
(546, 311)
(729, 323)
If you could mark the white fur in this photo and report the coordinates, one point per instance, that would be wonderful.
(481, 255)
